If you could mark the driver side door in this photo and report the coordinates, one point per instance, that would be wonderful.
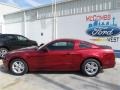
(58, 57)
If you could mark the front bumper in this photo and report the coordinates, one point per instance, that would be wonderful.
(6, 64)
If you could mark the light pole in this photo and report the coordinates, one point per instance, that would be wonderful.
(54, 19)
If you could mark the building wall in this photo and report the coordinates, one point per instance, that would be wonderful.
(44, 23)
(5, 9)
(14, 28)
(1, 20)
(39, 30)
(76, 26)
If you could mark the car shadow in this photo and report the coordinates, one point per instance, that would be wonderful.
(2, 69)
(95, 82)
(58, 72)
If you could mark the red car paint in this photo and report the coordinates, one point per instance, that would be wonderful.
(62, 60)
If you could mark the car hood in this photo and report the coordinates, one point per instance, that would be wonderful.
(27, 49)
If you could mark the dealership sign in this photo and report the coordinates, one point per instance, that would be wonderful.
(103, 26)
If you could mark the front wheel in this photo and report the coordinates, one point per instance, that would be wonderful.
(90, 67)
(18, 67)
(3, 51)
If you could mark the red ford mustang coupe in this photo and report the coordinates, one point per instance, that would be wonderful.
(61, 55)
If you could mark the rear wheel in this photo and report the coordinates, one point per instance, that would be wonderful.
(18, 67)
(91, 67)
(3, 51)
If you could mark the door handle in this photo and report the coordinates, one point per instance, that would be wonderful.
(69, 53)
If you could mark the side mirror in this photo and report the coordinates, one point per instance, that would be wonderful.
(41, 44)
(44, 49)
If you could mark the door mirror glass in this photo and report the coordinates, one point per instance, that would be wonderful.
(41, 44)
(44, 49)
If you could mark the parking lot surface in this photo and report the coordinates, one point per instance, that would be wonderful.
(108, 80)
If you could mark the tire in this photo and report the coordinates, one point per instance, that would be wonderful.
(18, 67)
(90, 67)
(3, 51)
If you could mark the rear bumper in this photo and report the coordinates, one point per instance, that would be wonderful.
(109, 66)
(109, 61)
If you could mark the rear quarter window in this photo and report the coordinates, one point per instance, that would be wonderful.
(84, 44)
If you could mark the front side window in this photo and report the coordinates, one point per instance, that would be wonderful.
(7, 37)
(63, 45)
(10, 37)
(3, 37)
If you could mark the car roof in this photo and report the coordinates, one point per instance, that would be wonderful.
(9, 34)
(75, 40)
(67, 39)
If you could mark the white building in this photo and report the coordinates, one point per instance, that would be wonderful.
(5, 9)
(97, 21)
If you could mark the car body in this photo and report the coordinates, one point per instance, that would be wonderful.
(61, 55)
(10, 42)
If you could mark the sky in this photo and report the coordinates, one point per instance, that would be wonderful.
(25, 4)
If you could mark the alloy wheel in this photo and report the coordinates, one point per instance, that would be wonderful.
(3, 51)
(91, 68)
(18, 66)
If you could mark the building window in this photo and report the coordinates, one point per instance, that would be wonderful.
(31, 15)
(14, 18)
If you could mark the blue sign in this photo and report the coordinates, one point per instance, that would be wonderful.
(103, 29)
